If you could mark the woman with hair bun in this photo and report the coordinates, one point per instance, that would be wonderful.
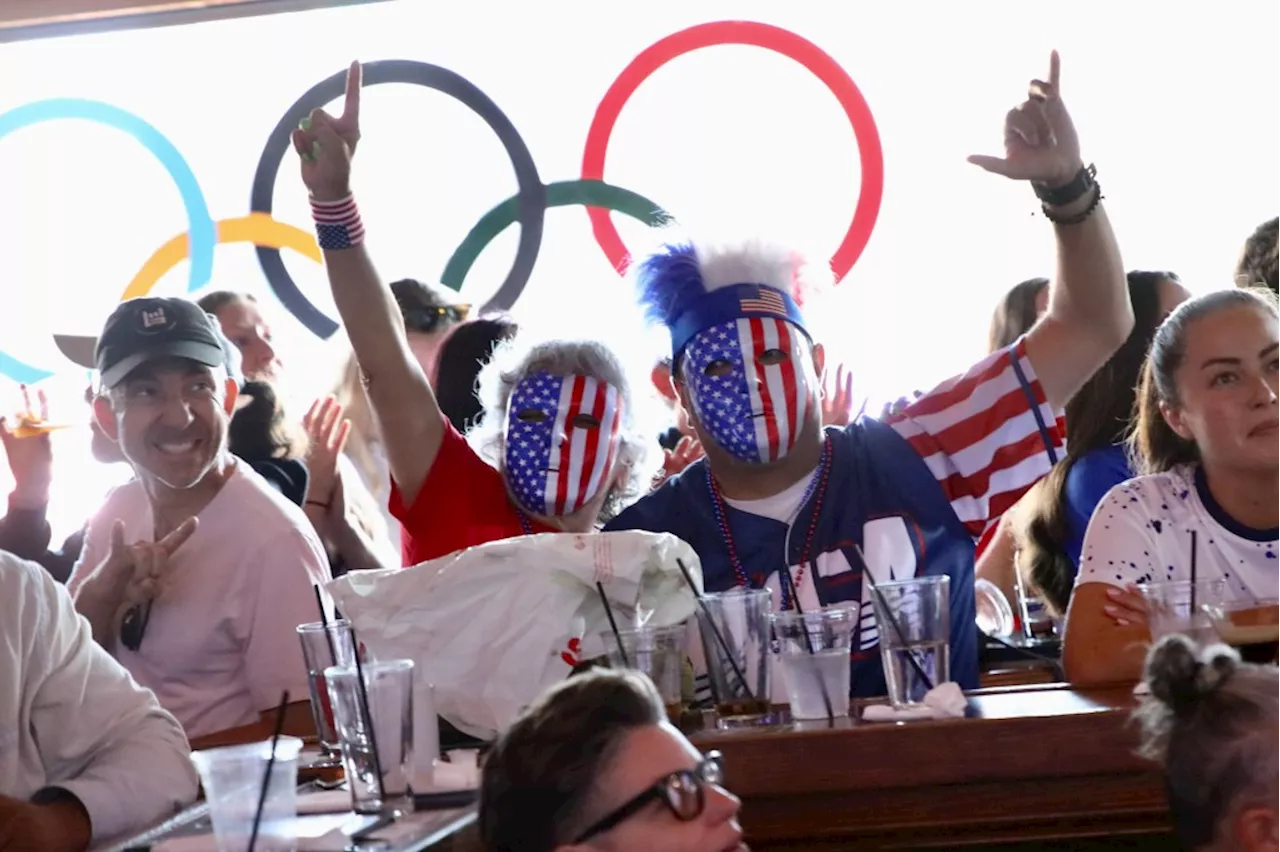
(1211, 722)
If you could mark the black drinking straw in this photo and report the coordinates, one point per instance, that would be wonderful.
(266, 776)
(613, 625)
(1193, 574)
(808, 640)
(368, 717)
(324, 623)
(711, 622)
(893, 622)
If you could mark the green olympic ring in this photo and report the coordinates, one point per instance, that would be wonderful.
(564, 193)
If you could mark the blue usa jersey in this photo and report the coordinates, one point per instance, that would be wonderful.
(913, 492)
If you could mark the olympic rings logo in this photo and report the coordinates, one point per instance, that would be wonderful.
(527, 208)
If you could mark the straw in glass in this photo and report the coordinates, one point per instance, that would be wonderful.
(711, 622)
(266, 776)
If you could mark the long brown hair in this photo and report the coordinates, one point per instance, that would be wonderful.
(1015, 314)
(1098, 416)
(1154, 446)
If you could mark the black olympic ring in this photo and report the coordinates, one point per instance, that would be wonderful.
(531, 197)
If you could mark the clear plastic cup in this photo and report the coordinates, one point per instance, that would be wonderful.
(813, 658)
(1177, 606)
(232, 780)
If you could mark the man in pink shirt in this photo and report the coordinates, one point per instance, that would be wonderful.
(195, 574)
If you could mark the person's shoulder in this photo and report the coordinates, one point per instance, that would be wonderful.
(1155, 495)
(260, 503)
(26, 592)
(658, 510)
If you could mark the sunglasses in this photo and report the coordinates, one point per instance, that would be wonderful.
(427, 320)
(682, 792)
(134, 625)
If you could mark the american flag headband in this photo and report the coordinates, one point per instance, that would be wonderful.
(732, 303)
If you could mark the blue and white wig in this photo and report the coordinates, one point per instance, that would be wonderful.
(688, 287)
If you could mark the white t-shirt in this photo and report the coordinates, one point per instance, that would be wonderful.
(220, 645)
(71, 717)
(1141, 533)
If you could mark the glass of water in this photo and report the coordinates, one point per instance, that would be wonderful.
(323, 646)
(913, 619)
(813, 659)
(388, 726)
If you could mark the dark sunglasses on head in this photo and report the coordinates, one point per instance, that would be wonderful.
(682, 792)
(134, 625)
(427, 320)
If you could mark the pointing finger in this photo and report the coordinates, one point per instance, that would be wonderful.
(117, 538)
(174, 540)
(1055, 68)
(351, 103)
(44, 405)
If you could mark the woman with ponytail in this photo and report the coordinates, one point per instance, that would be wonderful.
(1211, 723)
(1206, 446)
(1049, 526)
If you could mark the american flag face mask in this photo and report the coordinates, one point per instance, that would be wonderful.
(750, 386)
(562, 437)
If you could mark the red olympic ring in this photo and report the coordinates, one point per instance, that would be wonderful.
(752, 34)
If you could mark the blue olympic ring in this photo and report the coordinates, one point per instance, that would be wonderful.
(202, 231)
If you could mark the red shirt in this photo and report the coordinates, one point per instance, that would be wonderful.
(463, 502)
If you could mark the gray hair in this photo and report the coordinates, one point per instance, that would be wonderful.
(1211, 721)
(514, 360)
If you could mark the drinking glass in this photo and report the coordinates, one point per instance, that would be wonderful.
(1177, 606)
(913, 619)
(379, 744)
(324, 646)
(735, 636)
(658, 652)
(813, 656)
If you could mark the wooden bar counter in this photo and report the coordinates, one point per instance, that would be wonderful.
(1040, 767)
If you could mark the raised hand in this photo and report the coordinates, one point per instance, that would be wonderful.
(837, 399)
(686, 452)
(327, 430)
(144, 565)
(326, 144)
(1040, 142)
(30, 453)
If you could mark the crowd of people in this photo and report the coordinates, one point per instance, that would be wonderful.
(1118, 432)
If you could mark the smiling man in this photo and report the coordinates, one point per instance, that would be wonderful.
(195, 574)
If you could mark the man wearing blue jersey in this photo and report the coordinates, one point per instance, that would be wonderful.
(778, 491)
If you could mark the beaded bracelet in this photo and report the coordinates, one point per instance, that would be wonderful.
(338, 224)
(1079, 217)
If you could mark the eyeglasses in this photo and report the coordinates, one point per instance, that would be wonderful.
(682, 792)
(134, 625)
(427, 320)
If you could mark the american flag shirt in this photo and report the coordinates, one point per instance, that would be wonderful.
(913, 493)
(562, 435)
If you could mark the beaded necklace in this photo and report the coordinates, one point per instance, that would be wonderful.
(817, 483)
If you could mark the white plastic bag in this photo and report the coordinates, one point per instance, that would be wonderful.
(492, 626)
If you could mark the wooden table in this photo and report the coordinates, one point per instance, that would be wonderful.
(1042, 763)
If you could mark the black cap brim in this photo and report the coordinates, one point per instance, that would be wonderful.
(201, 353)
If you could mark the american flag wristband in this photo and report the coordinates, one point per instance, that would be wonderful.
(338, 224)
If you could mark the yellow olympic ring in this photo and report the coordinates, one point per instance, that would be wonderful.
(258, 228)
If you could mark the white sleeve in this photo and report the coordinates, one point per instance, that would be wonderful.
(100, 735)
(1119, 546)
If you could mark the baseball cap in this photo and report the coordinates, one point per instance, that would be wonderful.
(142, 330)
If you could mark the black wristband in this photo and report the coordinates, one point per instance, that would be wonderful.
(1069, 192)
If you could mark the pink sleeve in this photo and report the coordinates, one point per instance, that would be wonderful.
(987, 435)
(290, 566)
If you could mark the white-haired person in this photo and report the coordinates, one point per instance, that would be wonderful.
(568, 441)
(777, 491)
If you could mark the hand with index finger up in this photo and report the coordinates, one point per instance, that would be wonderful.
(326, 144)
(1040, 141)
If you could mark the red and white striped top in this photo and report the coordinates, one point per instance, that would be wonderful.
(980, 436)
